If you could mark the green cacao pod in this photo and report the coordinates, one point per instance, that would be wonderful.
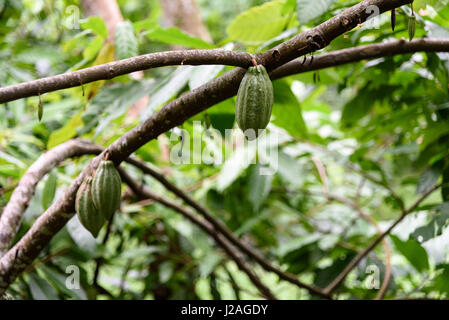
(87, 214)
(106, 188)
(411, 27)
(254, 100)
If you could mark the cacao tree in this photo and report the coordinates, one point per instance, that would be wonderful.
(342, 194)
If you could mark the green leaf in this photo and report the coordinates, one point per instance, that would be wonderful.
(40, 289)
(358, 107)
(289, 5)
(125, 41)
(413, 252)
(436, 225)
(258, 24)
(310, 9)
(235, 165)
(65, 133)
(260, 187)
(49, 190)
(427, 179)
(168, 89)
(202, 74)
(434, 131)
(91, 51)
(287, 112)
(290, 169)
(96, 25)
(441, 281)
(175, 36)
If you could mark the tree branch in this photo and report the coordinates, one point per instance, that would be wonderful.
(174, 114)
(360, 53)
(22, 194)
(117, 68)
(338, 280)
(309, 41)
(221, 228)
(144, 193)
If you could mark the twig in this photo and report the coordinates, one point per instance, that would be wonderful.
(220, 227)
(143, 192)
(338, 280)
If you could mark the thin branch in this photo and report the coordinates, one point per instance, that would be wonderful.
(360, 53)
(174, 114)
(144, 193)
(387, 249)
(203, 57)
(220, 227)
(117, 68)
(366, 175)
(339, 279)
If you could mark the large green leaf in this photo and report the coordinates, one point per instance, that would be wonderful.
(435, 226)
(428, 178)
(175, 36)
(125, 41)
(287, 112)
(49, 190)
(413, 252)
(65, 133)
(258, 24)
(96, 25)
(260, 187)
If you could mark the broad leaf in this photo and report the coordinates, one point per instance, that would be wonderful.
(49, 190)
(258, 24)
(175, 36)
(125, 41)
(413, 252)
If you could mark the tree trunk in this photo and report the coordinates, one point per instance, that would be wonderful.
(185, 15)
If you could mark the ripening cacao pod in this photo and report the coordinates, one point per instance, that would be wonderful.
(106, 188)
(87, 214)
(411, 27)
(254, 100)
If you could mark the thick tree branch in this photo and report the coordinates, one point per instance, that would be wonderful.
(144, 193)
(174, 114)
(77, 147)
(353, 263)
(309, 41)
(20, 198)
(117, 68)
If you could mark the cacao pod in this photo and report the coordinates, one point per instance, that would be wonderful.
(254, 100)
(87, 214)
(106, 188)
(411, 27)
